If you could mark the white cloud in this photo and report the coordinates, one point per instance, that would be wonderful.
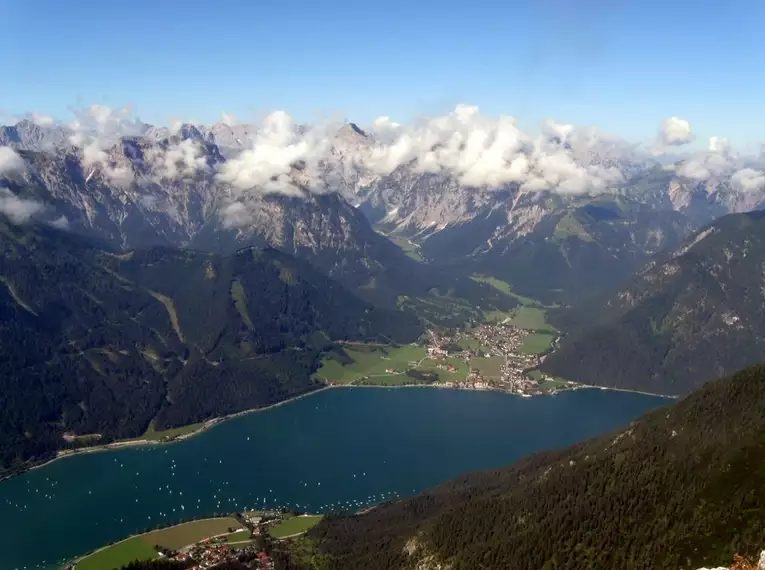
(704, 165)
(99, 128)
(236, 215)
(42, 120)
(179, 160)
(719, 144)
(560, 130)
(384, 127)
(228, 119)
(104, 124)
(278, 147)
(19, 210)
(675, 131)
(10, 161)
(60, 223)
(492, 152)
(748, 179)
(473, 149)
(96, 159)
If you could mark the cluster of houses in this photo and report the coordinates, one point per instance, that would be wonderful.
(216, 550)
(495, 340)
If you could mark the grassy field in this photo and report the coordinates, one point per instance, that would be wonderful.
(388, 380)
(569, 226)
(489, 366)
(239, 536)
(440, 310)
(537, 343)
(294, 525)
(370, 363)
(473, 343)
(155, 435)
(532, 318)
(462, 367)
(118, 555)
(494, 282)
(142, 547)
(551, 384)
(407, 246)
(497, 316)
(240, 302)
(176, 537)
(534, 375)
(505, 287)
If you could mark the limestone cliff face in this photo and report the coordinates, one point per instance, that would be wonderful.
(142, 192)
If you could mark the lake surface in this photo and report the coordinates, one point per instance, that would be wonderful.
(338, 449)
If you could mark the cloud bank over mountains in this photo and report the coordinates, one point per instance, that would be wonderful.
(675, 131)
(278, 155)
(10, 160)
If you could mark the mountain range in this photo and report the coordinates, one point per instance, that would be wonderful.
(184, 187)
(100, 341)
(142, 192)
(690, 315)
(110, 225)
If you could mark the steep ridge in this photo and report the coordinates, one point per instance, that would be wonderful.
(597, 211)
(692, 314)
(129, 199)
(678, 489)
(102, 342)
(559, 250)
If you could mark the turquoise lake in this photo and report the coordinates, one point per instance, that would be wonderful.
(337, 449)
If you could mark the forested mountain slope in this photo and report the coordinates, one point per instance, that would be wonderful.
(680, 488)
(98, 342)
(693, 314)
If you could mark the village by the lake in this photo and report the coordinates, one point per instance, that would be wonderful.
(251, 536)
(501, 354)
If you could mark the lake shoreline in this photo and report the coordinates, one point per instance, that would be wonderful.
(343, 451)
(121, 444)
(79, 559)
(211, 423)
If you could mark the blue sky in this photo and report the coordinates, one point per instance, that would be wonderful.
(621, 65)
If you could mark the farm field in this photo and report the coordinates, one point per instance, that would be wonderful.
(142, 547)
(241, 536)
(500, 285)
(537, 343)
(473, 343)
(370, 362)
(532, 318)
(155, 435)
(294, 525)
(461, 373)
(490, 367)
(388, 380)
(176, 537)
(118, 555)
(552, 384)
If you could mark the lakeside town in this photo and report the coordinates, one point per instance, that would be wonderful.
(487, 356)
(253, 539)
(495, 359)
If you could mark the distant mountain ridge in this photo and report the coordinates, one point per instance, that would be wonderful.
(552, 245)
(140, 194)
(692, 314)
